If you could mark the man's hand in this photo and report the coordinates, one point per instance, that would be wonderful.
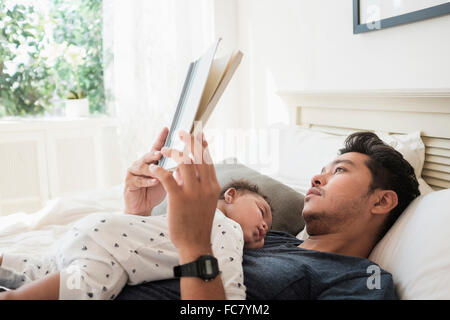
(142, 191)
(192, 198)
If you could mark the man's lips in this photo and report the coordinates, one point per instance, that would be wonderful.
(313, 191)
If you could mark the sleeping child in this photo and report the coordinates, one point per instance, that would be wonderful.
(103, 252)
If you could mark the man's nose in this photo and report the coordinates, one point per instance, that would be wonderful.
(318, 180)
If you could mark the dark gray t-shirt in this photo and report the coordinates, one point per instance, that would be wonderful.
(281, 270)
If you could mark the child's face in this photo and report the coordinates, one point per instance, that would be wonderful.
(253, 213)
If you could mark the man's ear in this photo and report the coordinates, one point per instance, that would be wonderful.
(230, 195)
(384, 201)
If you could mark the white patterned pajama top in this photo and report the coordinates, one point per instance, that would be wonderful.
(105, 251)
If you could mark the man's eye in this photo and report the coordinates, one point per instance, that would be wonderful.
(339, 169)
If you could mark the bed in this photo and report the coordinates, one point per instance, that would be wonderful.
(417, 122)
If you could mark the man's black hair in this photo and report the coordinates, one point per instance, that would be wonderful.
(390, 171)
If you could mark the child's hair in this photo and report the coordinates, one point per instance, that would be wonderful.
(244, 186)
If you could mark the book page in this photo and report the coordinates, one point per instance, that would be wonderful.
(216, 74)
(231, 67)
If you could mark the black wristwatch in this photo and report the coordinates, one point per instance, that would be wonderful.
(205, 268)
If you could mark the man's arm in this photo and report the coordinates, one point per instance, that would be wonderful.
(195, 288)
(192, 204)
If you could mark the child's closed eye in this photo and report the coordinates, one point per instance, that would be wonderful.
(262, 211)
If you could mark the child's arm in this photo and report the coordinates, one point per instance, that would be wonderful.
(227, 245)
(46, 288)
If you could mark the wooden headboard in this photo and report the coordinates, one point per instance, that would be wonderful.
(388, 111)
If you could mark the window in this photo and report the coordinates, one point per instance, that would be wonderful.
(50, 50)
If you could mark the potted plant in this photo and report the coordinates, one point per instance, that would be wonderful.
(76, 102)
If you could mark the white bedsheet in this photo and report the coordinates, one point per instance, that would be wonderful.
(38, 233)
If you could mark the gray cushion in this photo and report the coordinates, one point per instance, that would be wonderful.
(287, 204)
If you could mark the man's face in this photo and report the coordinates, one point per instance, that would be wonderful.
(338, 198)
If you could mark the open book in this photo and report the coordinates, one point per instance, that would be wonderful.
(205, 83)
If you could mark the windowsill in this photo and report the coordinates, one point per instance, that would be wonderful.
(21, 124)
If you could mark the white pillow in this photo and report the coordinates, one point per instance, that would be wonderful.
(303, 152)
(410, 146)
(413, 150)
(416, 250)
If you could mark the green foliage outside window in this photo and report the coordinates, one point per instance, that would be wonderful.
(49, 51)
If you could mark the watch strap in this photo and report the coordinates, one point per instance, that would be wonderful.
(205, 267)
(186, 270)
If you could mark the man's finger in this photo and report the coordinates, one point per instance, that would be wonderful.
(165, 177)
(177, 176)
(192, 146)
(174, 154)
(136, 182)
(198, 157)
(141, 169)
(152, 157)
(190, 150)
(185, 166)
(208, 162)
(159, 143)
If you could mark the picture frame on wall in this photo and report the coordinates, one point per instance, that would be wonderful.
(372, 15)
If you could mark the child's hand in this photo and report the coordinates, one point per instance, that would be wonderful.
(142, 191)
(193, 202)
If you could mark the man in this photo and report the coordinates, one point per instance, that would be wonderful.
(349, 207)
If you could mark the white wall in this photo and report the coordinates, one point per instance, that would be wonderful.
(227, 115)
(226, 28)
(310, 45)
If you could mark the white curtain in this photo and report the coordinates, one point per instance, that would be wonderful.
(152, 43)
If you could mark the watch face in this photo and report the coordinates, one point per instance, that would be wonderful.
(208, 267)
